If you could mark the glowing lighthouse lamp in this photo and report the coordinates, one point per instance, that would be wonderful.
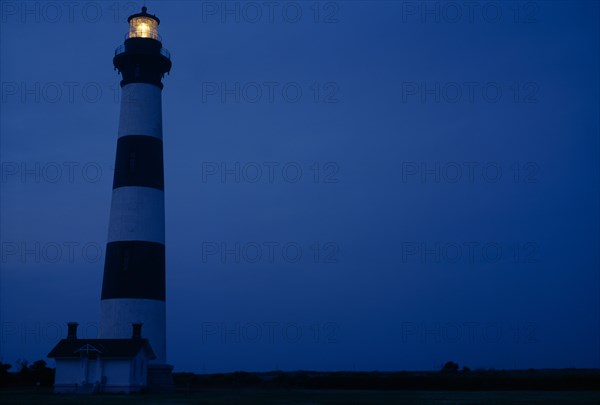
(143, 27)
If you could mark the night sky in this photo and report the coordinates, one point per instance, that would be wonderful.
(349, 185)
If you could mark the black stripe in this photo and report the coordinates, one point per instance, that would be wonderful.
(134, 269)
(139, 162)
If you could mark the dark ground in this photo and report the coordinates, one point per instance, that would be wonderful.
(308, 397)
(32, 385)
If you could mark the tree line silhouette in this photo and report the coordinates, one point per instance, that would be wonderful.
(450, 377)
(38, 374)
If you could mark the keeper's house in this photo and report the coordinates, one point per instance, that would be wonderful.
(101, 365)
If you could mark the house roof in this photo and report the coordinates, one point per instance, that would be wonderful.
(114, 348)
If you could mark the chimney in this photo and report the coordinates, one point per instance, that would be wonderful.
(72, 330)
(136, 331)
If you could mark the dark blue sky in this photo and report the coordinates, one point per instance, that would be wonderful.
(447, 207)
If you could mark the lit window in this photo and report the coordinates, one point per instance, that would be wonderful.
(143, 27)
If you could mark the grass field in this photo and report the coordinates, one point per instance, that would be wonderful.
(310, 397)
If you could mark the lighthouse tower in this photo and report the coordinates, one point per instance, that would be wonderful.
(133, 288)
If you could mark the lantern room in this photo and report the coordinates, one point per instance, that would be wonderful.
(143, 25)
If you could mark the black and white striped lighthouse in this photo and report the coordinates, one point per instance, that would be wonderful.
(133, 288)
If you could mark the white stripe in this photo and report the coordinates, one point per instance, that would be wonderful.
(141, 111)
(117, 315)
(137, 213)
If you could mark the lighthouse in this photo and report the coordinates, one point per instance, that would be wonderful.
(123, 358)
(133, 287)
